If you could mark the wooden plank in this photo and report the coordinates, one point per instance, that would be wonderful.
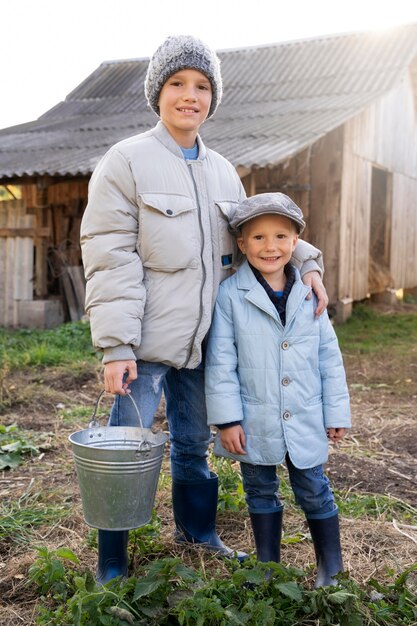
(24, 262)
(69, 295)
(10, 311)
(76, 274)
(3, 257)
(16, 260)
(325, 230)
(25, 231)
(41, 254)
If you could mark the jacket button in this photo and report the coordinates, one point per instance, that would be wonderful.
(286, 415)
(169, 212)
(285, 381)
(285, 345)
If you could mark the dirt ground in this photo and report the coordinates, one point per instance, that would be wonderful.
(378, 457)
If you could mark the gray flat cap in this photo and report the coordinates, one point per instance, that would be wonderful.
(264, 204)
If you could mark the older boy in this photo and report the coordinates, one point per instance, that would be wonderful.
(155, 248)
(275, 382)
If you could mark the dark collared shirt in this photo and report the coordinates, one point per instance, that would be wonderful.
(280, 302)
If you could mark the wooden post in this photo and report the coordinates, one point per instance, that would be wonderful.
(343, 310)
(41, 243)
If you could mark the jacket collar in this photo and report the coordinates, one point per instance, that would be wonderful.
(246, 280)
(163, 135)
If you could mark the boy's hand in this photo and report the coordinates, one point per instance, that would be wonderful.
(233, 439)
(114, 372)
(313, 280)
(336, 434)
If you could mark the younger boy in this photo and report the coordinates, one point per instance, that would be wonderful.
(275, 382)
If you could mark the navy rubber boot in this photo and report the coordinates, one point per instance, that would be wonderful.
(326, 538)
(112, 555)
(267, 529)
(195, 508)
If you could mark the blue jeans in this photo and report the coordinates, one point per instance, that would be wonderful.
(186, 413)
(311, 489)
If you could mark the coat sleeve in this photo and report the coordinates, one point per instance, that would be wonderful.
(223, 400)
(307, 258)
(335, 394)
(115, 294)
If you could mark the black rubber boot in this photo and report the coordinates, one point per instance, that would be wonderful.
(326, 538)
(112, 555)
(267, 529)
(195, 507)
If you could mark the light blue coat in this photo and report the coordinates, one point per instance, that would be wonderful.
(286, 384)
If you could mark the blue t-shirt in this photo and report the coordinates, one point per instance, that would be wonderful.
(190, 153)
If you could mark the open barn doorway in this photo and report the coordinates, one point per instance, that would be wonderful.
(379, 277)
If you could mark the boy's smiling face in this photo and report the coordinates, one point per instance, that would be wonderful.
(268, 242)
(184, 103)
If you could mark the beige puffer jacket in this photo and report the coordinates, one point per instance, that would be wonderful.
(155, 247)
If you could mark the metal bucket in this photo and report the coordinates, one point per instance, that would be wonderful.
(118, 469)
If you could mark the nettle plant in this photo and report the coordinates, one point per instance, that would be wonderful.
(14, 445)
(231, 494)
(166, 592)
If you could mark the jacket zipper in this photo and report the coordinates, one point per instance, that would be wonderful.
(202, 263)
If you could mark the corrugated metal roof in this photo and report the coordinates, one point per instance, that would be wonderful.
(278, 99)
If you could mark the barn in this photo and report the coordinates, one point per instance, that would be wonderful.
(331, 121)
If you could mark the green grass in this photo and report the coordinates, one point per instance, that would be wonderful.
(20, 518)
(368, 331)
(83, 414)
(67, 344)
(375, 506)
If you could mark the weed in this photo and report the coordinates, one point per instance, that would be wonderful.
(395, 603)
(143, 541)
(49, 573)
(164, 481)
(168, 593)
(361, 506)
(146, 538)
(13, 446)
(136, 601)
(231, 494)
(20, 518)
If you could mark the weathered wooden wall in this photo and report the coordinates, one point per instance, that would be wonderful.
(325, 196)
(40, 258)
(384, 136)
(16, 259)
(61, 206)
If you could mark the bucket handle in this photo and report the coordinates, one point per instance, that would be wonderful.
(145, 445)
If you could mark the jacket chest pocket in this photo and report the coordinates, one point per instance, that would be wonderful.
(227, 243)
(168, 232)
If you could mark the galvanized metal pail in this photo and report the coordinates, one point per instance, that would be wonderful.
(118, 469)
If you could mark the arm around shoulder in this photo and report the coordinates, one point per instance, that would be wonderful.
(307, 258)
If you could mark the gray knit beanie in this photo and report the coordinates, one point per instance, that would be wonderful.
(180, 52)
